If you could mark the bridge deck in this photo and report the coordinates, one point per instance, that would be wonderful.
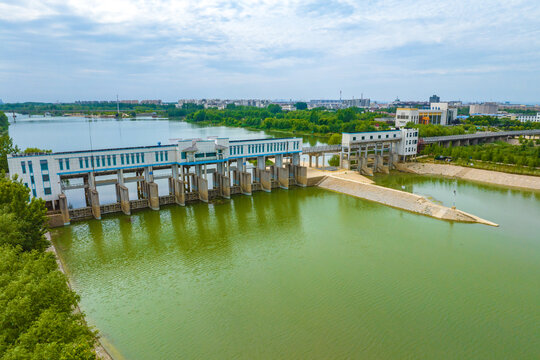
(480, 135)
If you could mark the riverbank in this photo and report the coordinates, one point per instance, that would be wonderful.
(483, 176)
(100, 350)
(351, 183)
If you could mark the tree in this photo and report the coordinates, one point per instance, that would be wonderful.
(23, 221)
(274, 108)
(334, 161)
(33, 150)
(300, 105)
(37, 318)
(6, 148)
(4, 123)
(335, 139)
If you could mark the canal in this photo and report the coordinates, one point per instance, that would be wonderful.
(308, 273)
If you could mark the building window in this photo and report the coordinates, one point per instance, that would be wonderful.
(394, 135)
(45, 177)
(26, 184)
(30, 167)
(122, 159)
(183, 155)
(44, 166)
(133, 158)
(67, 164)
(34, 192)
(211, 154)
(387, 136)
(32, 179)
(161, 156)
(138, 158)
(47, 191)
(127, 159)
(102, 160)
(199, 155)
(86, 161)
(371, 137)
(142, 157)
(81, 162)
(108, 160)
(97, 161)
(157, 156)
(379, 136)
(61, 164)
(114, 159)
(23, 166)
(166, 155)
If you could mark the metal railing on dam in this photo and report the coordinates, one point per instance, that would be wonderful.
(321, 149)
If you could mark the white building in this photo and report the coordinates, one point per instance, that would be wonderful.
(533, 118)
(42, 172)
(405, 140)
(438, 114)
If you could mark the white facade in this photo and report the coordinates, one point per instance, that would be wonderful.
(485, 108)
(406, 139)
(439, 114)
(41, 172)
(533, 118)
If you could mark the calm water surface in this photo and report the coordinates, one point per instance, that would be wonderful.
(308, 273)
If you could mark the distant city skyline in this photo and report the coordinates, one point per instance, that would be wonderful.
(474, 52)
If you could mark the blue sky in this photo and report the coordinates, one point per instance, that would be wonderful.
(70, 50)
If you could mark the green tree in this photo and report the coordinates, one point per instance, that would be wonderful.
(37, 318)
(300, 105)
(6, 148)
(274, 108)
(335, 139)
(4, 123)
(334, 160)
(23, 221)
(32, 150)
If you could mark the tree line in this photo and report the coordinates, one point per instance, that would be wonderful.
(526, 154)
(37, 308)
(315, 121)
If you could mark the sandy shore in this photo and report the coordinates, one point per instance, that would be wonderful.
(478, 175)
(357, 185)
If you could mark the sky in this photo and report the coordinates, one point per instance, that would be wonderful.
(67, 50)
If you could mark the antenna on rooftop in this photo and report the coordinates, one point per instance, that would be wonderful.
(339, 95)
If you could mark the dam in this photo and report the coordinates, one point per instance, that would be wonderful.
(196, 170)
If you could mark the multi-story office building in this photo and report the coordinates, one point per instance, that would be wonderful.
(533, 118)
(489, 108)
(434, 99)
(438, 114)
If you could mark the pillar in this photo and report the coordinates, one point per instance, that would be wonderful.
(179, 192)
(94, 203)
(225, 186)
(63, 205)
(245, 183)
(310, 161)
(279, 160)
(283, 177)
(300, 175)
(202, 186)
(317, 160)
(123, 198)
(153, 196)
(261, 162)
(266, 180)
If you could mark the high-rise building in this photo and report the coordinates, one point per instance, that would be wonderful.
(434, 99)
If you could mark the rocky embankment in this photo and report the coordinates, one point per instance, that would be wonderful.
(478, 175)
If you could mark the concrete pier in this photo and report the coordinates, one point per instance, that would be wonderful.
(93, 198)
(202, 188)
(266, 180)
(153, 195)
(63, 205)
(245, 182)
(283, 177)
(123, 198)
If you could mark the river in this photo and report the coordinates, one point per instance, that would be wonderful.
(308, 273)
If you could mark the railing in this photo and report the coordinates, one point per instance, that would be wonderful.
(321, 148)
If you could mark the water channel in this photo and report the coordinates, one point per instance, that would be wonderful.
(308, 273)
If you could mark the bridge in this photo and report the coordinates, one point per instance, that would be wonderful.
(320, 150)
(474, 139)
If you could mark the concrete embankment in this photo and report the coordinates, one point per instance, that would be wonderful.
(478, 175)
(398, 199)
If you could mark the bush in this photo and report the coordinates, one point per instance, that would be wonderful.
(334, 161)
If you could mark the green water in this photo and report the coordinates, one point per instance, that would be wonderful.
(308, 273)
